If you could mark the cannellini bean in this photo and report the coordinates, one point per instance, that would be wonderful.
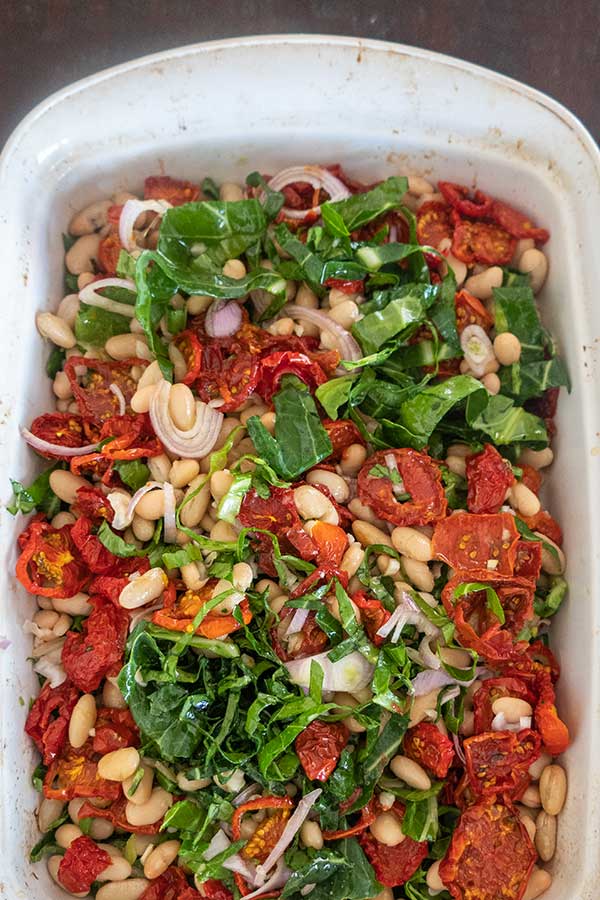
(512, 707)
(119, 869)
(482, 285)
(457, 464)
(142, 528)
(410, 772)
(491, 383)
(417, 186)
(193, 575)
(352, 559)
(55, 329)
(62, 518)
(242, 576)
(91, 218)
(534, 263)
(412, 543)
(552, 563)
(432, 879)
(179, 363)
(83, 719)
(368, 534)
(124, 346)
(536, 768)
(131, 889)
(553, 789)
(150, 376)
(523, 500)
(337, 486)
(311, 835)
(277, 603)
(386, 829)
(83, 279)
(194, 510)
(52, 864)
(48, 812)
(418, 573)
(150, 812)
(77, 605)
(234, 268)
(312, 504)
(160, 468)
(112, 696)
(467, 727)
(140, 402)
(232, 782)
(528, 822)
(345, 314)
(545, 835)
(422, 707)
(342, 698)
(220, 482)
(65, 485)
(183, 471)
(143, 791)
(161, 858)
(451, 262)
(257, 409)
(152, 505)
(265, 584)
(454, 656)
(198, 303)
(538, 459)
(538, 884)
(144, 589)
(66, 834)
(62, 386)
(507, 348)
(230, 192)
(531, 797)
(387, 565)
(68, 309)
(119, 764)
(283, 326)
(352, 459)
(223, 531)
(83, 255)
(522, 245)
(182, 407)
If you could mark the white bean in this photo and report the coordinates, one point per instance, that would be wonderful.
(66, 834)
(112, 696)
(182, 407)
(513, 708)
(491, 383)
(507, 348)
(131, 889)
(311, 835)
(77, 605)
(538, 459)
(143, 791)
(386, 829)
(412, 543)
(352, 459)
(531, 798)
(456, 464)
(143, 590)
(387, 565)
(234, 268)
(432, 879)
(454, 656)
(242, 576)
(552, 563)
(140, 402)
(545, 835)
(119, 869)
(337, 486)
(62, 386)
(417, 186)
(159, 860)
(410, 772)
(192, 784)
(193, 510)
(352, 559)
(124, 346)
(83, 719)
(65, 485)
(220, 482)
(118, 764)
(152, 505)
(536, 768)
(418, 573)
(56, 330)
(63, 518)
(553, 789)
(230, 192)
(534, 263)
(482, 285)
(523, 499)
(49, 811)
(183, 471)
(92, 218)
(538, 884)
(223, 531)
(312, 504)
(522, 245)
(142, 528)
(151, 811)
(83, 254)
(193, 575)
(368, 534)
(345, 314)
(423, 707)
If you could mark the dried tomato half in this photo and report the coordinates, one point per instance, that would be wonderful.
(48, 565)
(488, 479)
(83, 861)
(433, 223)
(471, 311)
(75, 774)
(482, 242)
(277, 513)
(491, 690)
(274, 366)
(393, 866)
(516, 223)
(171, 885)
(531, 477)
(237, 378)
(342, 434)
(528, 563)
(346, 287)
(458, 196)
(92, 503)
(178, 613)
(545, 524)
(48, 720)
(470, 541)
(212, 889)
(331, 541)
(497, 761)
(412, 493)
(94, 397)
(373, 615)
(553, 731)
(64, 429)
(319, 748)
(114, 729)
(109, 251)
(175, 190)
(430, 748)
(97, 557)
(189, 346)
(260, 844)
(97, 651)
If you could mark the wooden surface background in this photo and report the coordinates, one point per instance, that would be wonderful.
(552, 45)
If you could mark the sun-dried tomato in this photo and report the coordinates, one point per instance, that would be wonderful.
(92, 503)
(109, 251)
(274, 366)
(471, 311)
(433, 223)
(129, 436)
(393, 866)
(237, 379)
(114, 729)
(48, 720)
(331, 541)
(260, 844)
(277, 513)
(491, 690)
(171, 885)
(545, 524)
(470, 541)
(476, 625)
(346, 287)
(48, 564)
(488, 479)
(553, 731)
(497, 761)
(319, 748)
(459, 198)
(94, 397)
(430, 748)
(373, 615)
(75, 774)
(342, 433)
(95, 465)
(420, 478)
(490, 854)
(178, 613)
(528, 563)
(189, 346)
(307, 642)
(83, 861)
(175, 190)
(97, 557)
(531, 478)
(212, 890)
(482, 242)
(97, 650)
(516, 223)
(64, 429)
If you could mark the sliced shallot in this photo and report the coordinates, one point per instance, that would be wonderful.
(132, 209)
(169, 514)
(501, 723)
(57, 449)
(347, 346)
(116, 390)
(297, 622)
(89, 294)
(292, 827)
(477, 349)
(318, 177)
(196, 442)
(350, 674)
(223, 318)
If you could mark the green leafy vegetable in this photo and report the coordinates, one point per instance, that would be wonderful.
(39, 495)
(360, 209)
(55, 361)
(132, 472)
(504, 422)
(407, 307)
(492, 601)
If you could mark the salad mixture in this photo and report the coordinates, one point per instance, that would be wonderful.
(293, 571)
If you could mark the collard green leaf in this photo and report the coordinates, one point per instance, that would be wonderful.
(356, 881)
(55, 361)
(360, 209)
(407, 307)
(522, 381)
(503, 422)
(94, 326)
(132, 472)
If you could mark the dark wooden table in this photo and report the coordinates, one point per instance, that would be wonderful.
(46, 44)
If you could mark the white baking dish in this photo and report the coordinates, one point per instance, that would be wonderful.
(224, 109)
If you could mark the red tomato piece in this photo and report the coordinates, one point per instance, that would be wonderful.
(96, 556)
(531, 478)
(342, 433)
(331, 541)
(545, 524)
(178, 613)
(482, 242)
(114, 729)
(516, 223)
(64, 429)
(109, 251)
(213, 890)
(92, 503)
(48, 565)
(75, 774)
(554, 732)
(48, 720)
(83, 861)
(309, 641)
(346, 287)
(491, 690)
(497, 761)
(458, 197)
(274, 366)
(97, 651)
(433, 223)
(373, 615)
(238, 379)
(488, 479)
(393, 866)
(420, 478)
(176, 191)
(95, 399)
(115, 813)
(430, 748)
(528, 563)
(490, 854)
(319, 748)
(470, 541)
(189, 346)
(171, 885)
(277, 514)
(471, 311)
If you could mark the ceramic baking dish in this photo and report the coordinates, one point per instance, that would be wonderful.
(227, 108)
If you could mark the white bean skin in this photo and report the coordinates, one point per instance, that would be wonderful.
(91, 218)
(56, 330)
(140, 402)
(49, 811)
(220, 482)
(151, 811)
(152, 505)
(84, 252)
(365, 513)
(512, 707)
(545, 835)
(531, 798)
(131, 889)
(143, 590)
(410, 772)
(194, 510)
(535, 263)
(523, 244)
(433, 880)
(418, 573)
(161, 858)
(229, 191)
(352, 559)
(412, 543)
(550, 563)
(311, 835)
(337, 485)
(62, 386)
(538, 884)
(124, 346)
(143, 791)
(507, 348)
(368, 534)
(386, 829)
(63, 518)
(160, 468)
(524, 500)
(65, 485)
(119, 764)
(66, 834)
(312, 504)
(119, 869)
(536, 768)
(112, 696)
(83, 719)
(538, 459)
(182, 407)
(142, 528)
(553, 789)
(482, 285)
(77, 605)
(352, 459)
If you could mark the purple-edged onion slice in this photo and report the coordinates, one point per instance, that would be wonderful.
(132, 209)
(346, 344)
(197, 441)
(57, 449)
(317, 177)
(89, 294)
(223, 318)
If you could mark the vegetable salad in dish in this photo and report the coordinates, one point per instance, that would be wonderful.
(293, 572)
